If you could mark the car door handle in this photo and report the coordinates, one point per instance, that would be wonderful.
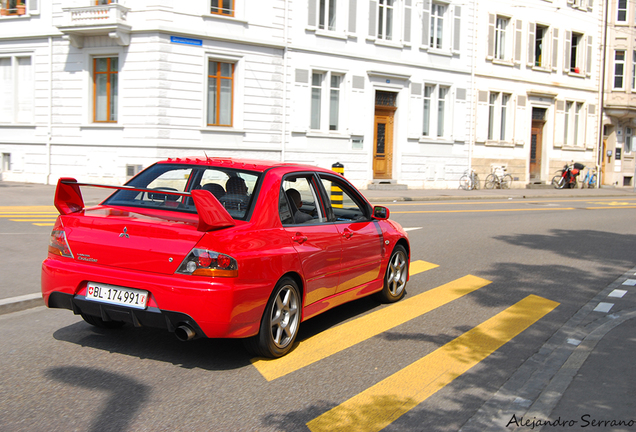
(299, 238)
(347, 233)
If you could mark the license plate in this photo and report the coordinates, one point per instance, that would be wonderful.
(117, 295)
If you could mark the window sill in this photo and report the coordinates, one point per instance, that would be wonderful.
(333, 34)
(573, 148)
(225, 18)
(545, 69)
(503, 62)
(438, 51)
(221, 129)
(386, 43)
(436, 140)
(102, 126)
(576, 75)
(491, 143)
(18, 125)
(325, 134)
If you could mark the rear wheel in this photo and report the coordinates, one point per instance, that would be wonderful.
(99, 322)
(395, 277)
(558, 181)
(279, 326)
(464, 182)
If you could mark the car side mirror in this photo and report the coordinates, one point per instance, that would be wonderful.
(380, 213)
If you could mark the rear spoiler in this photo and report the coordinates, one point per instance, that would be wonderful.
(212, 215)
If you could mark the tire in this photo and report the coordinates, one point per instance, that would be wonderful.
(491, 181)
(558, 181)
(476, 182)
(592, 182)
(506, 181)
(395, 276)
(98, 322)
(464, 182)
(280, 322)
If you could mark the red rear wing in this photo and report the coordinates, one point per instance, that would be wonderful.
(212, 214)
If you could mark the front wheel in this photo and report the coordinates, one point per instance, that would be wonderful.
(395, 276)
(592, 182)
(491, 181)
(280, 322)
(464, 182)
(506, 181)
(558, 181)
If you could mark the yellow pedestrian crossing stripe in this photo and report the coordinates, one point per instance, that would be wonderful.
(37, 215)
(380, 405)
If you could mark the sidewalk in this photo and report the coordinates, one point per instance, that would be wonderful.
(582, 377)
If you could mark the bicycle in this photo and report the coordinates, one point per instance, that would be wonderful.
(498, 179)
(469, 181)
(590, 179)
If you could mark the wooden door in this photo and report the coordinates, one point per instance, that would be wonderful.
(536, 150)
(383, 143)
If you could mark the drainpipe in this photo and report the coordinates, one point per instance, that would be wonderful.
(473, 107)
(49, 132)
(285, 54)
(601, 110)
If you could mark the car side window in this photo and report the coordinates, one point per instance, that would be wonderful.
(345, 205)
(298, 201)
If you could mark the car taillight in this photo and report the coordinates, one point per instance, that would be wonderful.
(203, 262)
(58, 245)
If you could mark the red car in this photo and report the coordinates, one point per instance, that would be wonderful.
(222, 248)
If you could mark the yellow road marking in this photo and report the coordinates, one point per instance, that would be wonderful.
(13, 209)
(33, 220)
(44, 224)
(502, 201)
(346, 335)
(420, 266)
(484, 210)
(381, 404)
(610, 208)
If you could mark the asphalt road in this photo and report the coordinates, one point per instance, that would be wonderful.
(61, 374)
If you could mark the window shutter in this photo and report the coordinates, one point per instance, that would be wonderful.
(457, 29)
(311, 19)
(518, 37)
(353, 8)
(6, 89)
(373, 18)
(24, 90)
(481, 125)
(588, 66)
(416, 111)
(520, 122)
(459, 111)
(590, 126)
(426, 23)
(34, 7)
(559, 123)
(491, 36)
(590, 4)
(301, 101)
(567, 47)
(555, 48)
(531, 40)
(407, 20)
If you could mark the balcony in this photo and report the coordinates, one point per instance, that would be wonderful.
(103, 20)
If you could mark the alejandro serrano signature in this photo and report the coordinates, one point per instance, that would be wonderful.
(586, 420)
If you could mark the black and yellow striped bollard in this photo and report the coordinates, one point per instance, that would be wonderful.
(336, 192)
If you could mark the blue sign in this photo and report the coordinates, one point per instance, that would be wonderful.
(187, 41)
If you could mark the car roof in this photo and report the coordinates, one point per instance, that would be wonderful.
(239, 163)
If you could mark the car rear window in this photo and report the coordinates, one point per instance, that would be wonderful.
(235, 189)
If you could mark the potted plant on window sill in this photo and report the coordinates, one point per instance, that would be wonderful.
(21, 7)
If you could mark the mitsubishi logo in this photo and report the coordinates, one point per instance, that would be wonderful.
(125, 233)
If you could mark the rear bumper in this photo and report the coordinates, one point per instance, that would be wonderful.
(213, 307)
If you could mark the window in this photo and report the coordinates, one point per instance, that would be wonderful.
(298, 201)
(576, 54)
(13, 7)
(6, 162)
(327, 15)
(104, 2)
(633, 70)
(105, 89)
(540, 46)
(385, 19)
(500, 37)
(435, 110)
(619, 69)
(325, 102)
(220, 93)
(345, 205)
(498, 113)
(573, 123)
(437, 25)
(16, 89)
(621, 11)
(222, 7)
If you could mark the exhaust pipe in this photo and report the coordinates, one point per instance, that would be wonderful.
(184, 333)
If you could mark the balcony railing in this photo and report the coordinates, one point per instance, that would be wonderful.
(101, 20)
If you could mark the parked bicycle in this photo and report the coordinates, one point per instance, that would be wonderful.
(498, 179)
(469, 181)
(566, 177)
(589, 181)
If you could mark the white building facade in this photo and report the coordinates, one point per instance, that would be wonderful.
(398, 91)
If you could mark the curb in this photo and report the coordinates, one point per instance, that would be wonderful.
(15, 304)
(538, 385)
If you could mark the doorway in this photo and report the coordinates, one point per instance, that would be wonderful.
(536, 144)
(383, 134)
